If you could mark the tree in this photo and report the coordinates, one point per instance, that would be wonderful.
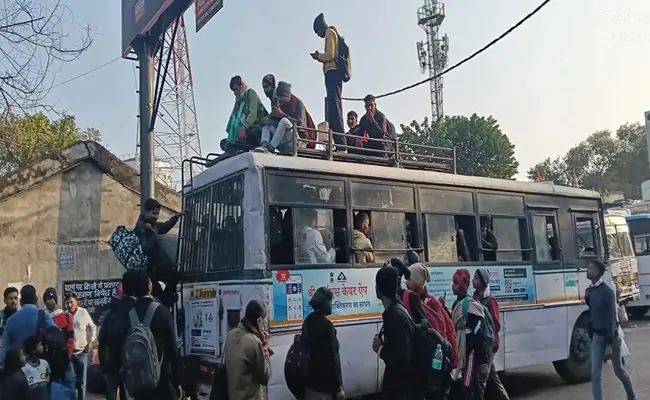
(605, 162)
(26, 139)
(33, 44)
(481, 148)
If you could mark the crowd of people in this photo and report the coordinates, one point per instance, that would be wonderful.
(252, 127)
(44, 347)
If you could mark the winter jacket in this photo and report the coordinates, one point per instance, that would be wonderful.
(65, 322)
(397, 351)
(324, 371)
(362, 248)
(247, 365)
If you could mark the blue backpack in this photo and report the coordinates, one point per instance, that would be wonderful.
(488, 332)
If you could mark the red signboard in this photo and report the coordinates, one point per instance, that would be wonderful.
(205, 10)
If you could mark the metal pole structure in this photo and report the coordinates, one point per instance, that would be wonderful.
(145, 48)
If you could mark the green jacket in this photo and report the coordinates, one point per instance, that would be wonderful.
(247, 112)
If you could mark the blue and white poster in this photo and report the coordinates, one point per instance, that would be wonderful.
(354, 290)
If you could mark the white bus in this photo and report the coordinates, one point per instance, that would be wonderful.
(241, 241)
(622, 260)
(640, 229)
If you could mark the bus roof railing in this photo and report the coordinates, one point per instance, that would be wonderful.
(392, 153)
(396, 153)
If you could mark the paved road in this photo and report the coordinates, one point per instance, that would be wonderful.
(542, 383)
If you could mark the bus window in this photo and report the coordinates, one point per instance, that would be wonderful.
(450, 225)
(625, 242)
(546, 239)
(615, 252)
(504, 239)
(586, 234)
(305, 236)
(642, 245)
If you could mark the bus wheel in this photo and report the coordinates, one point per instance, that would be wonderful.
(577, 368)
(638, 312)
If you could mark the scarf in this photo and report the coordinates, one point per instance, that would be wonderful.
(238, 116)
(252, 327)
(459, 324)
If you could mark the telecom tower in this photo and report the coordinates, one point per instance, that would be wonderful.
(433, 54)
(176, 135)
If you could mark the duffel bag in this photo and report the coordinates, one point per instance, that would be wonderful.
(127, 248)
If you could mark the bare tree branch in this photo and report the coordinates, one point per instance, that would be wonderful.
(34, 44)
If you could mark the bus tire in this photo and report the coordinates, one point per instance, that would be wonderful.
(577, 368)
(639, 311)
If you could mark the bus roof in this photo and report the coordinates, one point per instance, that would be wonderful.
(637, 217)
(614, 219)
(248, 161)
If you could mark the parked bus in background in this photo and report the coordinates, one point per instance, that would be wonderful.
(639, 225)
(242, 239)
(622, 260)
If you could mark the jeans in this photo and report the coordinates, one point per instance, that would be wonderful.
(494, 388)
(280, 138)
(334, 117)
(80, 365)
(598, 348)
(68, 379)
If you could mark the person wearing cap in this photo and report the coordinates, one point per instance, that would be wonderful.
(65, 322)
(25, 321)
(474, 359)
(243, 126)
(494, 388)
(85, 333)
(324, 380)
(289, 112)
(269, 86)
(414, 302)
(394, 342)
(333, 78)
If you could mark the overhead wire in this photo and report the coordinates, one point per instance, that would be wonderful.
(90, 71)
(463, 61)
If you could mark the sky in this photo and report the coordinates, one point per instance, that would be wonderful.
(576, 67)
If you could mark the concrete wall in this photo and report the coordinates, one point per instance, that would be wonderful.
(67, 218)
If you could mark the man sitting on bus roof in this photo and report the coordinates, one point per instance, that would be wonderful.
(243, 127)
(289, 111)
(268, 84)
(373, 127)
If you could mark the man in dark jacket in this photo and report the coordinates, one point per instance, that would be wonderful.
(415, 304)
(394, 342)
(324, 372)
(137, 286)
(373, 127)
(161, 267)
(111, 332)
(601, 300)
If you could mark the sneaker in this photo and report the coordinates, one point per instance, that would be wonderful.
(261, 150)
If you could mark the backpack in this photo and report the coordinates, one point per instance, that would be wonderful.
(55, 351)
(127, 248)
(344, 60)
(488, 331)
(140, 370)
(392, 133)
(296, 365)
(439, 322)
(425, 342)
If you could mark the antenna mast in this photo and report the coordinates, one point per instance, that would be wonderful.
(433, 54)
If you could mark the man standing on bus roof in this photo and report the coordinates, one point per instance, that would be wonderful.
(363, 250)
(481, 282)
(604, 331)
(333, 78)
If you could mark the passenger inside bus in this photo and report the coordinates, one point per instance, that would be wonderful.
(489, 242)
(307, 236)
(361, 243)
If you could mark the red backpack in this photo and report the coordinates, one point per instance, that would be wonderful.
(439, 320)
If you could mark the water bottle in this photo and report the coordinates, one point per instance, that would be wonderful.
(437, 358)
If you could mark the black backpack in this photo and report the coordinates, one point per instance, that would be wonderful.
(344, 61)
(54, 348)
(431, 382)
(296, 365)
